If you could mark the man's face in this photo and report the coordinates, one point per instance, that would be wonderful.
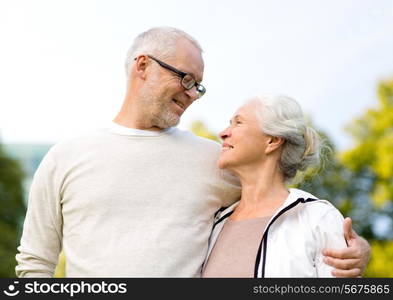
(164, 98)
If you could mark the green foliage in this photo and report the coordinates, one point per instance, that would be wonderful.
(198, 128)
(60, 271)
(381, 262)
(373, 152)
(346, 189)
(12, 212)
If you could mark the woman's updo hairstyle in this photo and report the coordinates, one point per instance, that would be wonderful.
(282, 116)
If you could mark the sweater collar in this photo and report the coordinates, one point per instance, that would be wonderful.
(123, 130)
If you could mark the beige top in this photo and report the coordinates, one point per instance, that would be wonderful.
(236, 248)
(122, 204)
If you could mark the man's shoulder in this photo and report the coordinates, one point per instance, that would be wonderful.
(191, 137)
(80, 142)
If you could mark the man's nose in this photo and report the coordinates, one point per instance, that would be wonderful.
(192, 93)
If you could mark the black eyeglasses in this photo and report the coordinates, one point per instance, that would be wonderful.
(186, 80)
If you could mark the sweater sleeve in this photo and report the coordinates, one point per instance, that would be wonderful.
(41, 240)
(231, 188)
(329, 234)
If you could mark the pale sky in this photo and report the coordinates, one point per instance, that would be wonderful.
(62, 62)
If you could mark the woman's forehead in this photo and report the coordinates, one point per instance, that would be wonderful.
(246, 110)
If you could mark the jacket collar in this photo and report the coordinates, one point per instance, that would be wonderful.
(294, 195)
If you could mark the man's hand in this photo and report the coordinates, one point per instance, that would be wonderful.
(351, 261)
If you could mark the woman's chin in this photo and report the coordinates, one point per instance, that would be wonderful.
(220, 164)
(223, 164)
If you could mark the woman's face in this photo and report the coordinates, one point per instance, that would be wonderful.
(244, 143)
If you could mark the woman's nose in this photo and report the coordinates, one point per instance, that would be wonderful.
(224, 134)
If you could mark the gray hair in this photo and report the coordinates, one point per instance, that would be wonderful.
(282, 116)
(160, 41)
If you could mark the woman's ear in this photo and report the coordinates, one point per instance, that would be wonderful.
(274, 143)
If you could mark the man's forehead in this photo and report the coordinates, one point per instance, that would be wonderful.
(198, 75)
(188, 58)
(191, 68)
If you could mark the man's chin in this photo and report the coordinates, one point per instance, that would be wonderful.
(165, 123)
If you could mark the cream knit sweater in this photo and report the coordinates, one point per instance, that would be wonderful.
(124, 205)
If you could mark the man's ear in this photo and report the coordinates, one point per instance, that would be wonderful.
(274, 142)
(141, 63)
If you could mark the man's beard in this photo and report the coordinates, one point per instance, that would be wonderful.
(163, 117)
(159, 110)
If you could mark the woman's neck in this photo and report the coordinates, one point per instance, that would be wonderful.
(263, 191)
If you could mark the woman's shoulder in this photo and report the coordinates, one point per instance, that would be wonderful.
(316, 208)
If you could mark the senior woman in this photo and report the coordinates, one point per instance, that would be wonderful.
(272, 231)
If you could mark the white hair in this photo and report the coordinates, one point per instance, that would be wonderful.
(282, 116)
(157, 41)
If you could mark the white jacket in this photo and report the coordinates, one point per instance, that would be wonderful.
(292, 243)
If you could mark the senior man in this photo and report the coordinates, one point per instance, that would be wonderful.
(138, 199)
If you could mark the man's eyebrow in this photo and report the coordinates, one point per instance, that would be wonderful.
(193, 76)
(190, 73)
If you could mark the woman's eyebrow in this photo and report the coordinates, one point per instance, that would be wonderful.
(235, 117)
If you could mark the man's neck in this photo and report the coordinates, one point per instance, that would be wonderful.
(132, 116)
(135, 124)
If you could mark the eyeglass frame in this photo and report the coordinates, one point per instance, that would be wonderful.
(181, 74)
